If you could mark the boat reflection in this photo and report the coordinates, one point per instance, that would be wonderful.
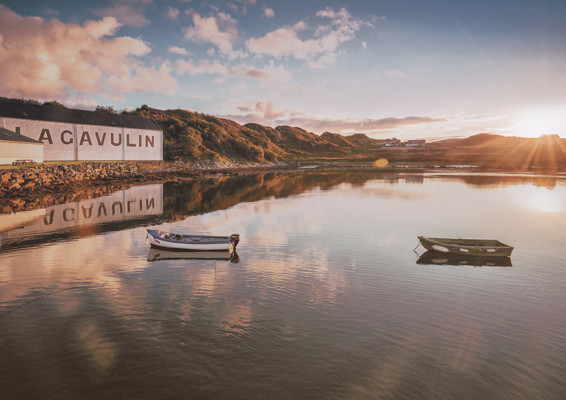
(156, 254)
(436, 258)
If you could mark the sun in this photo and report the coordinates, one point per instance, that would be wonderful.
(536, 123)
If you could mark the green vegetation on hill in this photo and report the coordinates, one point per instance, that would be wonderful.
(192, 136)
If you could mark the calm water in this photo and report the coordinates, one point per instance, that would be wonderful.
(327, 300)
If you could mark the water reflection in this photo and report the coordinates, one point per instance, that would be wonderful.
(139, 204)
(435, 258)
(494, 180)
(168, 202)
(326, 301)
(160, 255)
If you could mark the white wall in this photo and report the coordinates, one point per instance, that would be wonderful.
(12, 151)
(67, 142)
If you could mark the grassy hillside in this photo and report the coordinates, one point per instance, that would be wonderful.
(192, 136)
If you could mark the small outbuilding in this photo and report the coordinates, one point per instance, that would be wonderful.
(416, 143)
(19, 148)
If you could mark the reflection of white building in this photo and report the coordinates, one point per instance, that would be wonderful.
(68, 134)
(17, 147)
(134, 203)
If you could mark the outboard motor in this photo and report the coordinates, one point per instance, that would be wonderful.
(234, 240)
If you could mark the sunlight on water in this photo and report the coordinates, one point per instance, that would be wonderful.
(326, 298)
(540, 199)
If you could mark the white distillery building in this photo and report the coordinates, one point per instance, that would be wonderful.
(68, 134)
(14, 147)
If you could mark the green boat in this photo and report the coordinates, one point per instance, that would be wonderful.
(469, 247)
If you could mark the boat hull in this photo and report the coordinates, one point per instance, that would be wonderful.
(467, 247)
(168, 240)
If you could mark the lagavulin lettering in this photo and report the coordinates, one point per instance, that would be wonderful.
(66, 137)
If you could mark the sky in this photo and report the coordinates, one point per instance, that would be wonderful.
(387, 68)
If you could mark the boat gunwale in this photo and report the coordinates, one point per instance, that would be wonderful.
(449, 243)
(224, 239)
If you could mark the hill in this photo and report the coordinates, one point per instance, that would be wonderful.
(193, 136)
(546, 153)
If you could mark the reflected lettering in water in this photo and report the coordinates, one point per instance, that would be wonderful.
(82, 218)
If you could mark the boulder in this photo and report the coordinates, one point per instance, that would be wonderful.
(5, 178)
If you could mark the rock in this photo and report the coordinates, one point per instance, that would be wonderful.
(5, 178)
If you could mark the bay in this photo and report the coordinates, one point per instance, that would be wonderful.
(327, 298)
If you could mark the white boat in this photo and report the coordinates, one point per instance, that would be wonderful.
(178, 241)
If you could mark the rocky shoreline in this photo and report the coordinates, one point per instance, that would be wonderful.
(22, 188)
(14, 182)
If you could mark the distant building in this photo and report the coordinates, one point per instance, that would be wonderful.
(393, 143)
(69, 134)
(14, 147)
(415, 143)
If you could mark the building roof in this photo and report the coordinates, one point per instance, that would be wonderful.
(10, 136)
(14, 109)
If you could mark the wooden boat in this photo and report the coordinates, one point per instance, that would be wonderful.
(159, 254)
(469, 247)
(178, 241)
(436, 258)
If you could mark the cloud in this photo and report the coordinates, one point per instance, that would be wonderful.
(396, 74)
(233, 7)
(267, 76)
(285, 41)
(57, 60)
(244, 3)
(178, 50)
(220, 30)
(240, 87)
(362, 125)
(268, 12)
(323, 62)
(144, 79)
(172, 13)
(261, 112)
(201, 67)
(128, 12)
(269, 114)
